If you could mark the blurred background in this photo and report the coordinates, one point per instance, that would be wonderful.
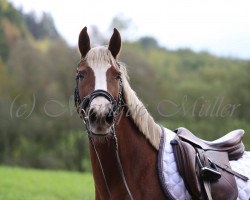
(189, 62)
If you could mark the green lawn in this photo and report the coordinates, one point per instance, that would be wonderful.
(32, 184)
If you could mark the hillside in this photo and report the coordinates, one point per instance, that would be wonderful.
(39, 126)
(11, 28)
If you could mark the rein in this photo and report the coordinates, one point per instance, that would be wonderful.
(83, 105)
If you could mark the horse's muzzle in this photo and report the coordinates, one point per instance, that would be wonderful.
(98, 110)
(100, 116)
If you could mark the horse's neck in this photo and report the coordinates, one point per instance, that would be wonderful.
(136, 153)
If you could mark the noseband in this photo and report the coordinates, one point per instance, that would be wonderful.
(82, 107)
(98, 93)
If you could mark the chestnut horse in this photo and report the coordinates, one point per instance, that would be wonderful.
(116, 119)
(124, 138)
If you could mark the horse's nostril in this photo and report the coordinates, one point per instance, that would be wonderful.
(102, 118)
(92, 115)
(109, 117)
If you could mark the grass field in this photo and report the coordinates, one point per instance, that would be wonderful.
(30, 184)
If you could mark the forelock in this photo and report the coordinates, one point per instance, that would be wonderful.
(100, 56)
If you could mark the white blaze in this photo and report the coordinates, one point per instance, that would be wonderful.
(100, 78)
(100, 84)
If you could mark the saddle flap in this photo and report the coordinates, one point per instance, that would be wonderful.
(186, 164)
(226, 185)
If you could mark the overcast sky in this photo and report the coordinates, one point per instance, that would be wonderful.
(221, 27)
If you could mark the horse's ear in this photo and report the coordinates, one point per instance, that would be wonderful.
(84, 42)
(115, 43)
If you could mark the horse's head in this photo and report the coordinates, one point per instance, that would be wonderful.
(98, 90)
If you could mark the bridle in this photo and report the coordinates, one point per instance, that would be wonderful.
(83, 105)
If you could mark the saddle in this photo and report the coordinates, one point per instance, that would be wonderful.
(204, 165)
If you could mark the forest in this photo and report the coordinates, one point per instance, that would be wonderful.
(39, 126)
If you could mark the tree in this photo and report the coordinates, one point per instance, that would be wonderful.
(41, 28)
(148, 42)
(123, 24)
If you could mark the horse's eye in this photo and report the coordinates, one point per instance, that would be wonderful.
(79, 76)
(118, 77)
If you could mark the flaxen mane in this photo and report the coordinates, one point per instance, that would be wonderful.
(101, 56)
